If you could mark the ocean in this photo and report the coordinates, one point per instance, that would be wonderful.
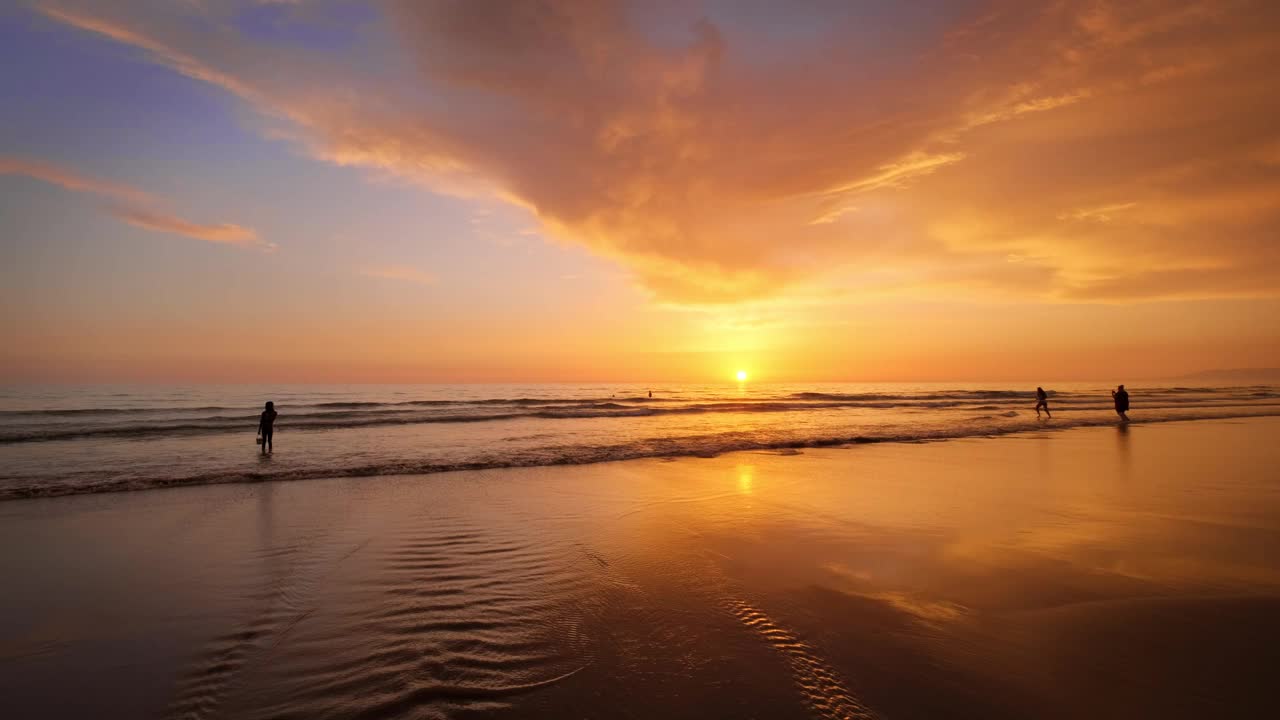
(60, 440)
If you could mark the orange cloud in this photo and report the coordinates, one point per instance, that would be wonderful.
(722, 159)
(221, 233)
(400, 272)
(69, 180)
(131, 205)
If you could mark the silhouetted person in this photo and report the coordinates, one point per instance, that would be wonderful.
(266, 427)
(650, 393)
(1121, 396)
(1042, 401)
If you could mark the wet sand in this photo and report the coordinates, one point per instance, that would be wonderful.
(1102, 573)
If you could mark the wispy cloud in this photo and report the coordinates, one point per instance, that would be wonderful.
(403, 273)
(219, 233)
(1018, 106)
(132, 205)
(69, 180)
(184, 63)
(1103, 213)
(898, 174)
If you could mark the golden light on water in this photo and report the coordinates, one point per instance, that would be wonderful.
(742, 376)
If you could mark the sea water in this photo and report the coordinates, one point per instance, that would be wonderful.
(57, 440)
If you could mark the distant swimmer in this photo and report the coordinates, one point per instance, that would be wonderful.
(1121, 396)
(650, 393)
(1042, 401)
(266, 427)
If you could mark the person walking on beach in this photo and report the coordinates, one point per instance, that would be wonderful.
(1042, 401)
(1121, 396)
(266, 427)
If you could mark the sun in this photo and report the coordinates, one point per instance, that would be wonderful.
(742, 376)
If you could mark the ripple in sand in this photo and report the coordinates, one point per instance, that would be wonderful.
(446, 619)
(821, 687)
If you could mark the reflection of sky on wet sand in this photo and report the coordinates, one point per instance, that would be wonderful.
(1122, 448)
(949, 522)
(1087, 573)
(1027, 563)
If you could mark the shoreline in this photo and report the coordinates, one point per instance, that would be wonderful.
(593, 456)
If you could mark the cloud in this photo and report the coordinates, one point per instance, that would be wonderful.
(66, 179)
(178, 60)
(1097, 214)
(400, 272)
(1180, 283)
(1033, 105)
(719, 153)
(221, 233)
(900, 173)
(130, 204)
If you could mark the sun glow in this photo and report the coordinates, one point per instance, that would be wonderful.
(742, 376)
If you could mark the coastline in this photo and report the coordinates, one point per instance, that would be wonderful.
(1104, 572)
(726, 443)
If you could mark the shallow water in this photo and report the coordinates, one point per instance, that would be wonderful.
(65, 440)
(1102, 572)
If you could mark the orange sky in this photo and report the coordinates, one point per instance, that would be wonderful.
(463, 191)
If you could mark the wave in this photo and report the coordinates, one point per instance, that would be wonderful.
(383, 415)
(938, 399)
(993, 417)
(943, 395)
(692, 446)
(332, 405)
(75, 412)
(230, 425)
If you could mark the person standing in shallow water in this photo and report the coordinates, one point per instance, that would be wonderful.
(1121, 396)
(1042, 401)
(266, 427)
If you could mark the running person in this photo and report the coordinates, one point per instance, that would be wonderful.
(1042, 401)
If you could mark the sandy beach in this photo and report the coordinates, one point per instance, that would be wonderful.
(1113, 572)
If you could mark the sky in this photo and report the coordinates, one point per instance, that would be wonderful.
(647, 191)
